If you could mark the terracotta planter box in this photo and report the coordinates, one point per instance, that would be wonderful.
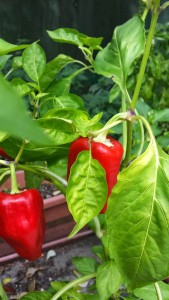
(59, 223)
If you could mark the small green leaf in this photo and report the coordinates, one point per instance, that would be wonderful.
(116, 59)
(60, 87)
(73, 36)
(138, 224)
(87, 189)
(6, 47)
(3, 60)
(149, 293)
(37, 296)
(108, 280)
(34, 61)
(85, 265)
(99, 251)
(21, 86)
(161, 115)
(53, 68)
(17, 62)
(68, 100)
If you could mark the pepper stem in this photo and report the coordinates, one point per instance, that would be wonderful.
(14, 183)
(72, 284)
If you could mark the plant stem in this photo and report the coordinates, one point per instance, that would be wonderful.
(144, 15)
(164, 6)
(129, 143)
(124, 108)
(6, 172)
(98, 230)
(158, 291)
(20, 152)
(145, 58)
(79, 71)
(48, 175)
(14, 183)
(9, 72)
(112, 122)
(72, 284)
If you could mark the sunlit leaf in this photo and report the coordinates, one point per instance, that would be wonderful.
(138, 219)
(87, 190)
(6, 47)
(108, 279)
(52, 68)
(149, 292)
(34, 61)
(127, 44)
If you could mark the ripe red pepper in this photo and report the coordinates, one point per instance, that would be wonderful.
(4, 154)
(22, 222)
(109, 156)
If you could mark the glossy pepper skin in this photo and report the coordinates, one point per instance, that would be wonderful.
(22, 222)
(4, 154)
(109, 158)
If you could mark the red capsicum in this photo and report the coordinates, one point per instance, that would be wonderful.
(22, 222)
(4, 154)
(109, 156)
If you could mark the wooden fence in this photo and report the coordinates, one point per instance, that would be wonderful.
(28, 20)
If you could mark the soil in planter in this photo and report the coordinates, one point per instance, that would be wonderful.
(55, 265)
(22, 276)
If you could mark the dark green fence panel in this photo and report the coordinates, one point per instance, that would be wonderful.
(28, 20)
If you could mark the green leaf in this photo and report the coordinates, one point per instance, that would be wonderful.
(85, 265)
(161, 116)
(149, 293)
(34, 61)
(32, 151)
(99, 251)
(3, 136)
(58, 165)
(138, 224)
(72, 293)
(53, 68)
(2, 293)
(67, 100)
(116, 59)
(34, 180)
(3, 60)
(114, 93)
(73, 36)
(6, 47)
(92, 297)
(163, 141)
(17, 62)
(60, 87)
(15, 119)
(65, 125)
(37, 296)
(86, 191)
(59, 126)
(108, 280)
(21, 86)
